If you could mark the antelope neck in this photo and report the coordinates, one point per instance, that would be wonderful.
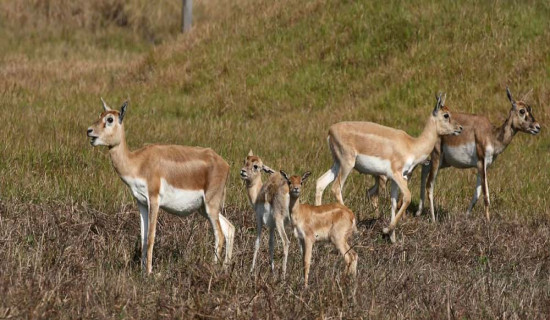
(424, 144)
(253, 187)
(503, 135)
(121, 157)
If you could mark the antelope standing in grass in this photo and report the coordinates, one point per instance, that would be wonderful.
(378, 150)
(270, 202)
(334, 222)
(179, 179)
(477, 147)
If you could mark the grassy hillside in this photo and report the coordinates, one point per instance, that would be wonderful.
(271, 76)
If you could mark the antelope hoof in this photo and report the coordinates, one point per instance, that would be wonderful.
(391, 233)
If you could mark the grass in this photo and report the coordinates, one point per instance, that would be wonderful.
(271, 76)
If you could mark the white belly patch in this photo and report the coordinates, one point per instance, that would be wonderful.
(263, 210)
(463, 156)
(178, 201)
(373, 165)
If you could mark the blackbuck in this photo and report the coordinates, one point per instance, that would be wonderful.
(333, 222)
(178, 179)
(477, 147)
(374, 149)
(270, 203)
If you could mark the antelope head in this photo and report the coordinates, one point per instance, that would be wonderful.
(295, 182)
(108, 130)
(442, 115)
(253, 167)
(522, 116)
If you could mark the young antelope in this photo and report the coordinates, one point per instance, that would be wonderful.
(333, 222)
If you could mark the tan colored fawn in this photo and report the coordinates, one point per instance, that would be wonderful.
(477, 147)
(333, 222)
(270, 203)
(178, 179)
(378, 150)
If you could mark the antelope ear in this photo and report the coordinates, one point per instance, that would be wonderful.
(122, 111)
(267, 169)
(443, 100)
(305, 176)
(284, 175)
(509, 94)
(250, 153)
(438, 104)
(105, 106)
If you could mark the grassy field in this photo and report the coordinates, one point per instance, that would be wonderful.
(271, 76)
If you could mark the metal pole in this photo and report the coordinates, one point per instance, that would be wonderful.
(186, 15)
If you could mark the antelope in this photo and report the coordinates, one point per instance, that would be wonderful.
(334, 222)
(477, 147)
(270, 203)
(374, 149)
(178, 179)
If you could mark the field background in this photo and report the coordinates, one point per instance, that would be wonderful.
(271, 76)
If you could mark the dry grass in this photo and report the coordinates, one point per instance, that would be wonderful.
(66, 261)
(271, 76)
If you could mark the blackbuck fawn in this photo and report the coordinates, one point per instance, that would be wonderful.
(270, 203)
(333, 222)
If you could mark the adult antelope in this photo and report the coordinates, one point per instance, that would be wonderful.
(179, 179)
(270, 203)
(477, 147)
(378, 150)
(333, 222)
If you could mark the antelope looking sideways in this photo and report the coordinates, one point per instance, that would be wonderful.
(270, 202)
(378, 150)
(477, 147)
(334, 222)
(178, 179)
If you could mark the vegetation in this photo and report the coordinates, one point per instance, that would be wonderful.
(271, 76)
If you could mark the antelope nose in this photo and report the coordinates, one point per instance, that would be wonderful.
(537, 127)
(90, 131)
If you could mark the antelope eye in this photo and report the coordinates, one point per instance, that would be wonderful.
(255, 167)
(446, 116)
(110, 120)
(522, 111)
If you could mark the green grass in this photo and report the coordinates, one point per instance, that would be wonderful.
(273, 81)
(268, 76)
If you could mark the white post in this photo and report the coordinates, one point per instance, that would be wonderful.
(186, 15)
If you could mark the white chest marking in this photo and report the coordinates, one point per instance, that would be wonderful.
(138, 188)
(462, 156)
(408, 167)
(373, 165)
(178, 201)
(489, 151)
